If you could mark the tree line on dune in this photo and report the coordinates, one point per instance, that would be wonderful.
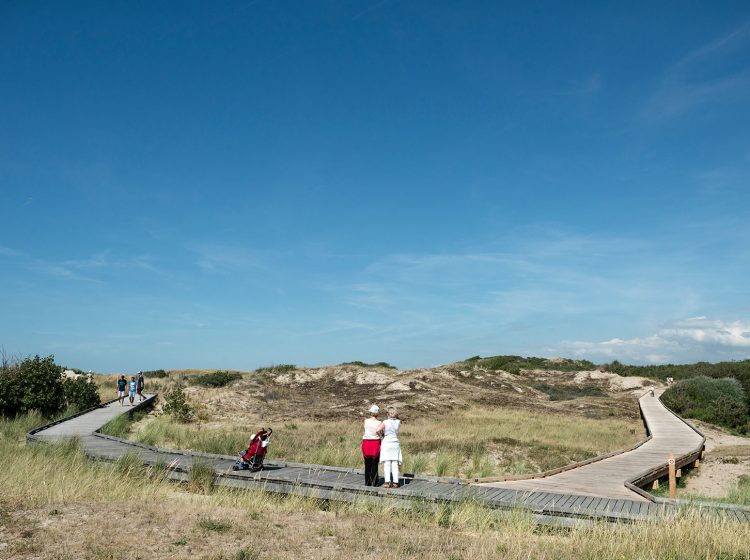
(717, 393)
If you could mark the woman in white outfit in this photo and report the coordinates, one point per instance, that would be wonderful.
(390, 449)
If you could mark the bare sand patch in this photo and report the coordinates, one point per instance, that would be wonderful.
(727, 458)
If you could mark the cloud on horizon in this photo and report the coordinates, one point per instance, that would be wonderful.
(692, 338)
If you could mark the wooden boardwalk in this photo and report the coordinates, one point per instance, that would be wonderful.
(549, 500)
(606, 478)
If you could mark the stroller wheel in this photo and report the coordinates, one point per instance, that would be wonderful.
(235, 468)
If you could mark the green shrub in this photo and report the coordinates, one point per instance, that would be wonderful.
(740, 370)
(365, 364)
(155, 374)
(217, 379)
(10, 390)
(80, 395)
(718, 401)
(33, 384)
(568, 392)
(41, 385)
(177, 405)
(281, 368)
(514, 364)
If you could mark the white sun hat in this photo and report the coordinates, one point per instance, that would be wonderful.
(374, 409)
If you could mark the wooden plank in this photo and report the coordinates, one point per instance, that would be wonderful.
(577, 505)
(587, 503)
(542, 500)
(565, 504)
(618, 505)
(505, 496)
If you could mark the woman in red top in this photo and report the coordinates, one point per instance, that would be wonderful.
(371, 446)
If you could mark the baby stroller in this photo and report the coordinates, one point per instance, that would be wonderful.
(252, 457)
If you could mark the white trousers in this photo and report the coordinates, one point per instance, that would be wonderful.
(391, 471)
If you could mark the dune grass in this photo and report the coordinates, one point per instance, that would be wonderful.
(738, 493)
(60, 473)
(473, 442)
(57, 504)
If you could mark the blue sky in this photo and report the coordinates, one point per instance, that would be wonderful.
(238, 184)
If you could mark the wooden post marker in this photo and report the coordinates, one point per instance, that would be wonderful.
(655, 485)
(672, 477)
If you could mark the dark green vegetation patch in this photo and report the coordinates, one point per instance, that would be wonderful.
(568, 392)
(155, 374)
(177, 405)
(514, 364)
(36, 384)
(739, 370)
(718, 401)
(80, 394)
(280, 368)
(364, 364)
(216, 379)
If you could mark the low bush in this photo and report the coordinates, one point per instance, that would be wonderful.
(568, 392)
(177, 405)
(32, 384)
(217, 379)
(281, 368)
(365, 364)
(155, 374)
(514, 364)
(80, 395)
(740, 370)
(718, 401)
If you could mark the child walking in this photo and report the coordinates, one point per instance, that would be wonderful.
(132, 386)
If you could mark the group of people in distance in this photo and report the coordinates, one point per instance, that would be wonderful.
(380, 444)
(134, 387)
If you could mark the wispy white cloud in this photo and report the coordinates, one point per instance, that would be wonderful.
(340, 326)
(106, 260)
(585, 88)
(8, 252)
(227, 258)
(82, 268)
(700, 77)
(694, 338)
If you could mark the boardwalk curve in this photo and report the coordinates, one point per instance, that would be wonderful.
(614, 477)
(547, 499)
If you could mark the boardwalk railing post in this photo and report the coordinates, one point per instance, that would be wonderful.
(672, 477)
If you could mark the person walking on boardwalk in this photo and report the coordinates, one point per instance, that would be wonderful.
(371, 446)
(133, 387)
(121, 384)
(390, 450)
(141, 384)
